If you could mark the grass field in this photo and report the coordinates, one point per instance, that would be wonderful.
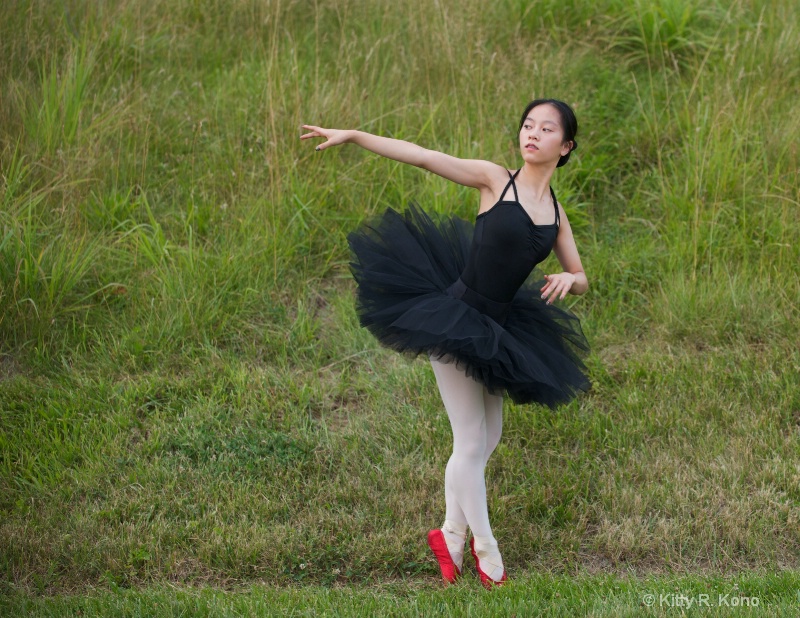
(191, 418)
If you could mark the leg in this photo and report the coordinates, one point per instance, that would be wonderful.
(465, 486)
(486, 550)
(493, 407)
(463, 400)
(493, 404)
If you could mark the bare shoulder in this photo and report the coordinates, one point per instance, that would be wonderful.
(491, 173)
(564, 237)
(497, 178)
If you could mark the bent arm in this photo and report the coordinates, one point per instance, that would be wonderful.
(567, 253)
(468, 172)
(573, 280)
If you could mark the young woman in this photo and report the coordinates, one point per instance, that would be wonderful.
(462, 294)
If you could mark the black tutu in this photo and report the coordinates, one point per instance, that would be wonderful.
(405, 265)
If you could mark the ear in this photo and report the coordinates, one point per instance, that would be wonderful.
(566, 149)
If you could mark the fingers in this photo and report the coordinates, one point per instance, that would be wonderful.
(315, 131)
(547, 289)
(555, 289)
(328, 134)
(555, 292)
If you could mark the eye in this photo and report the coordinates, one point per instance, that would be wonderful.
(548, 130)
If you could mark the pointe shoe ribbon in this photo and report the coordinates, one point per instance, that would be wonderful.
(438, 545)
(487, 581)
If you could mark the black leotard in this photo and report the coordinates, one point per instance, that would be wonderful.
(469, 294)
(506, 246)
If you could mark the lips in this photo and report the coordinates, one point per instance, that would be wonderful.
(531, 147)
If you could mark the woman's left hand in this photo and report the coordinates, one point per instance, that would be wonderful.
(557, 286)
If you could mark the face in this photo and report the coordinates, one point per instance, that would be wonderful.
(541, 139)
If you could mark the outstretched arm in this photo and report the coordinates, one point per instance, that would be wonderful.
(468, 172)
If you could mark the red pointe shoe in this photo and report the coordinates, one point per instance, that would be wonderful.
(487, 581)
(438, 545)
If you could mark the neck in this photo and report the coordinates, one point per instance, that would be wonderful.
(536, 178)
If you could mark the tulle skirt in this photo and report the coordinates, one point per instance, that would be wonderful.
(405, 266)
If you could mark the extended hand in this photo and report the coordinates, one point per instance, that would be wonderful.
(557, 286)
(334, 136)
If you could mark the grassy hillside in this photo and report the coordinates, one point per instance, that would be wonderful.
(185, 393)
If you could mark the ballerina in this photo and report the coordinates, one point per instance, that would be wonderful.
(460, 293)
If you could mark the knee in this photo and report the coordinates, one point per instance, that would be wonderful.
(471, 448)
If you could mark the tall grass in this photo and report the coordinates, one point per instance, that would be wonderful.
(185, 393)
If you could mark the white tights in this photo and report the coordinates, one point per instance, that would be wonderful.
(476, 418)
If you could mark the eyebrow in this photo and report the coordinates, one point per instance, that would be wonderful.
(529, 119)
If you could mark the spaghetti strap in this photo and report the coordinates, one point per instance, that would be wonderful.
(555, 205)
(512, 185)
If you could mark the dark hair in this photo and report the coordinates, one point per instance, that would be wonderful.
(568, 122)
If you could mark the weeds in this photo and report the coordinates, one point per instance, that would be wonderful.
(185, 392)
